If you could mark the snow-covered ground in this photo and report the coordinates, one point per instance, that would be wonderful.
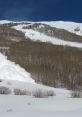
(9, 70)
(24, 106)
(32, 87)
(35, 35)
(60, 105)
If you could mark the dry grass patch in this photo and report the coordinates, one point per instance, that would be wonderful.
(76, 94)
(21, 92)
(4, 90)
(43, 94)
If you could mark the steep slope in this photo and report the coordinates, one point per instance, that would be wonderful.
(11, 71)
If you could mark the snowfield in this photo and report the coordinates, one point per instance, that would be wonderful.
(9, 70)
(23, 106)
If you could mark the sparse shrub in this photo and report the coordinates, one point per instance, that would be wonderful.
(28, 103)
(9, 110)
(42, 94)
(4, 90)
(0, 80)
(50, 93)
(8, 83)
(21, 92)
(75, 94)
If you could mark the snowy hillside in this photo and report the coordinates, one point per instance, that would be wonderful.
(51, 64)
(11, 71)
(35, 35)
(69, 26)
(13, 74)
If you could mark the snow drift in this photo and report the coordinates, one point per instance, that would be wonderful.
(9, 70)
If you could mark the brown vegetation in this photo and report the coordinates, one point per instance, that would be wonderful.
(58, 66)
(5, 90)
(43, 94)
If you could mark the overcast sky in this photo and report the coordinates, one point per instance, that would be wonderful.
(36, 10)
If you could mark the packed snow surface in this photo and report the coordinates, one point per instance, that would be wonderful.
(35, 35)
(59, 105)
(9, 70)
(24, 106)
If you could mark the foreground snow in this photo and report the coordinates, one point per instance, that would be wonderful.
(9, 70)
(22, 106)
(34, 35)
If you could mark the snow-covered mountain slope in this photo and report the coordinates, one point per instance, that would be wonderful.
(69, 26)
(35, 35)
(11, 71)
(72, 27)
